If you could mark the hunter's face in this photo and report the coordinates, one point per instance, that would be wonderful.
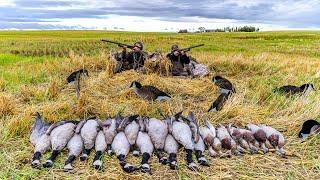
(176, 53)
(136, 48)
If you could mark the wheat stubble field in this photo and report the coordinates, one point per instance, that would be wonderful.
(34, 66)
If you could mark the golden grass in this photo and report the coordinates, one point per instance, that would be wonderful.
(105, 94)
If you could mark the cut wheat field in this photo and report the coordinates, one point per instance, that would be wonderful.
(34, 66)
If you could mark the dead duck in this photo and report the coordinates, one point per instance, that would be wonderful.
(145, 146)
(226, 141)
(275, 138)
(309, 127)
(60, 134)
(260, 135)
(149, 93)
(39, 139)
(100, 147)
(208, 133)
(121, 147)
(76, 74)
(75, 146)
(183, 134)
(199, 146)
(158, 131)
(218, 104)
(224, 84)
(244, 139)
(88, 130)
(292, 90)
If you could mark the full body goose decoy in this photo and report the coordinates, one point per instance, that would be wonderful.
(260, 135)
(88, 130)
(224, 84)
(309, 127)
(60, 133)
(226, 140)
(149, 93)
(75, 146)
(275, 138)
(218, 104)
(292, 90)
(145, 146)
(183, 134)
(208, 133)
(76, 74)
(244, 139)
(199, 146)
(121, 147)
(158, 131)
(100, 147)
(39, 139)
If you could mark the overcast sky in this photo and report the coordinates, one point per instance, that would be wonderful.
(158, 15)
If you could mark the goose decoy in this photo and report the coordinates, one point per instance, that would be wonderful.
(182, 133)
(226, 141)
(244, 139)
(292, 90)
(39, 139)
(88, 130)
(76, 74)
(100, 147)
(309, 127)
(60, 133)
(275, 138)
(121, 147)
(218, 104)
(260, 136)
(199, 145)
(145, 146)
(208, 133)
(224, 84)
(75, 146)
(158, 131)
(149, 93)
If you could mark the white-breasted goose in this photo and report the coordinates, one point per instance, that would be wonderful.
(292, 90)
(149, 93)
(218, 104)
(224, 84)
(309, 127)
(76, 74)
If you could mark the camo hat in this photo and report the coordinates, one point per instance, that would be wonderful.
(174, 47)
(139, 44)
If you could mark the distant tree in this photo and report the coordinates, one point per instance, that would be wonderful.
(202, 29)
(183, 31)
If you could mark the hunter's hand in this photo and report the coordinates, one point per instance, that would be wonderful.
(124, 48)
(183, 53)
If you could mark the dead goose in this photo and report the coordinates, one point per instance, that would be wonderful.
(76, 74)
(121, 147)
(218, 104)
(199, 146)
(149, 93)
(131, 129)
(208, 133)
(259, 135)
(88, 130)
(226, 141)
(60, 133)
(244, 139)
(309, 127)
(100, 147)
(171, 147)
(39, 139)
(75, 146)
(224, 84)
(291, 90)
(158, 131)
(275, 138)
(145, 146)
(110, 131)
(183, 135)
